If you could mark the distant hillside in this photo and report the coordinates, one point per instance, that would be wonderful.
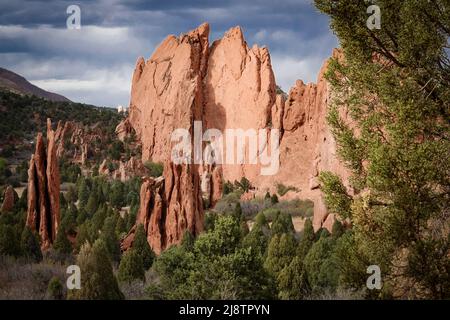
(22, 116)
(18, 84)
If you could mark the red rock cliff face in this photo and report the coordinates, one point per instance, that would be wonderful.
(43, 214)
(229, 85)
(167, 93)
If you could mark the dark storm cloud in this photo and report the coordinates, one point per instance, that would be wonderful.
(34, 40)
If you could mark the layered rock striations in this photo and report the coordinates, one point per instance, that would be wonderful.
(43, 214)
(228, 85)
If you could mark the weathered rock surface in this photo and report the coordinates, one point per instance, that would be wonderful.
(229, 85)
(124, 129)
(169, 206)
(43, 214)
(8, 200)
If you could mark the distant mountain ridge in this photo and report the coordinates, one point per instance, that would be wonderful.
(18, 84)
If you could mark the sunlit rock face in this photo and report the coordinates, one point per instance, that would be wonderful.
(226, 85)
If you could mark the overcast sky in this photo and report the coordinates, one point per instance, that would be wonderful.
(95, 64)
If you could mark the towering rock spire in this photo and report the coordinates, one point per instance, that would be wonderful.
(43, 214)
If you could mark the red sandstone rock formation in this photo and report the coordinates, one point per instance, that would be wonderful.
(43, 213)
(169, 206)
(124, 129)
(8, 200)
(229, 85)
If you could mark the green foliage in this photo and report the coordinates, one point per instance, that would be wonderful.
(394, 86)
(117, 194)
(292, 281)
(337, 230)
(336, 197)
(109, 237)
(55, 289)
(188, 241)
(155, 169)
(274, 199)
(282, 189)
(320, 267)
(131, 267)
(307, 239)
(92, 203)
(216, 268)
(98, 281)
(280, 252)
(30, 246)
(62, 243)
(228, 187)
(116, 149)
(244, 184)
(9, 240)
(282, 224)
(141, 246)
(69, 172)
(83, 192)
(257, 239)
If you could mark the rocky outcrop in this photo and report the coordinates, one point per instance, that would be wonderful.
(167, 93)
(124, 129)
(9, 199)
(169, 206)
(43, 214)
(76, 142)
(229, 85)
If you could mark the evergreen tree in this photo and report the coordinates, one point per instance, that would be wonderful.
(131, 267)
(280, 252)
(292, 281)
(110, 239)
(274, 199)
(98, 281)
(257, 239)
(83, 193)
(394, 84)
(55, 289)
(9, 241)
(120, 226)
(83, 236)
(29, 243)
(62, 244)
(141, 246)
(92, 204)
(282, 224)
(307, 239)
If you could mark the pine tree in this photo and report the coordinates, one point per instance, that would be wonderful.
(141, 246)
(394, 84)
(9, 241)
(62, 244)
(110, 239)
(280, 252)
(97, 281)
(120, 226)
(92, 204)
(29, 243)
(83, 193)
(307, 239)
(131, 267)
